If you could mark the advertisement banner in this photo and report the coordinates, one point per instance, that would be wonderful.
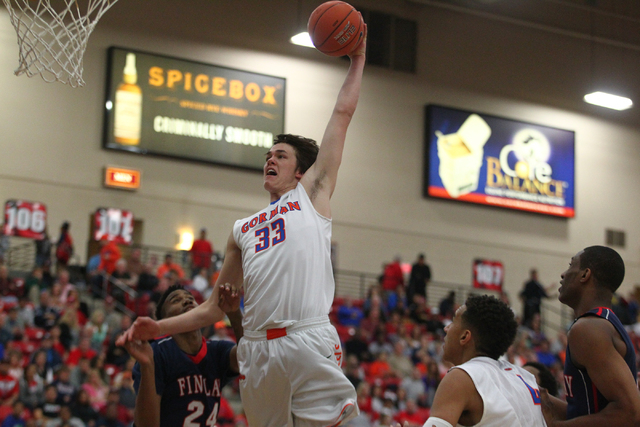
(114, 225)
(488, 275)
(478, 158)
(25, 219)
(171, 107)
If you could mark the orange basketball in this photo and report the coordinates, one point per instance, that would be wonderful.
(336, 28)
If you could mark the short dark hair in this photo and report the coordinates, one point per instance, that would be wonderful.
(547, 380)
(163, 298)
(306, 149)
(492, 322)
(605, 264)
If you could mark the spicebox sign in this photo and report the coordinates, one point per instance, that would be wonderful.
(478, 158)
(172, 107)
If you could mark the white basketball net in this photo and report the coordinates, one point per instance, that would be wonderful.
(52, 40)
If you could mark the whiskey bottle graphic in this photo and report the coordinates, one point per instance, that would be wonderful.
(128, 106)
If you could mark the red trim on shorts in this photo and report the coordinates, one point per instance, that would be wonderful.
(272, 334)
(201, 353)
(595, 399)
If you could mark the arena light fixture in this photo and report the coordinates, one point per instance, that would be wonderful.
(608, 100)
(302, 39)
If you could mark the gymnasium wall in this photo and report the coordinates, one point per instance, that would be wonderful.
(51, 135)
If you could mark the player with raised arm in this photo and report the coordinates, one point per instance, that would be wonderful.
(482, 390)
(600, 374)
(290, 355)
(178, 378)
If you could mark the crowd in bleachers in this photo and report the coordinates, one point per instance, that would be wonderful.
(59, 365)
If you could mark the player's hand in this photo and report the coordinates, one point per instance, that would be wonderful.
(547, 407)
(143, 329)
(228, 298)
(362, 47)
(140, 350)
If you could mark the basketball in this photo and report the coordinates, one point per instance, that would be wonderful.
(336, 28)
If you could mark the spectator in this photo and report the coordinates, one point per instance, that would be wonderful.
(82, 409)
(126, 392)
(348, 314)
(200, 283)
(122, 280)
(531, 296)
(83, 350)
(43, 249)
(46, 315)
(39, 359)
(15, 363)
(97, 330)
(358, 345)
(31, 388)
(447, 306)
(392, 278)
(64, 246)
(134, 262)
(412, 416)
(380, 344)
(124, 415)
(97, 389)
(109, 255)
(65, 419)
(65, 388)
(9, 387)
(147, 281)
(168, 266)
(9, 287)
(50, 407)
(201, 252)
(414, 385)
(110, 417)
(419, 279)
(399, 361)
(34, 285)
(26, 311)
(16, 417)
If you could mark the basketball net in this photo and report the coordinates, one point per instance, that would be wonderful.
(52, 41)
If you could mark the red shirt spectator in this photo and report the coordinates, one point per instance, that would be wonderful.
(413, 414)
(169, 265)
(9, 386)
(83, 350)
(201, 252)
(109, 255)
(393, 276)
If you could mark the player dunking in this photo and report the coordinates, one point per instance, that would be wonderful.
(600, 366)
(290, 355)
(482, 390)
(178, 379)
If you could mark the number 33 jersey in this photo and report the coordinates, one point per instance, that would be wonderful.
(286, 261)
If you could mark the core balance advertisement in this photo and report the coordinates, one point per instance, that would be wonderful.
(166, 106)
(478, 158)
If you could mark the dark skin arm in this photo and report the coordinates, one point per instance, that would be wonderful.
(597, 347)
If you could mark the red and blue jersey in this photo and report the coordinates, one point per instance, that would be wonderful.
(583, 397)
(190, 386)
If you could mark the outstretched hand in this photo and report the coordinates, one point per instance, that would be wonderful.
(228, 298)
(140, 350)
(362, 47)
(143, 329)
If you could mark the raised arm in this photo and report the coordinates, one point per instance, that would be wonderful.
(320, 179)
(205, 314)
(147, 410)
(591, 341)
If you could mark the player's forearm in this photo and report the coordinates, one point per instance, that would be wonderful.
(350, 92)
(205, 314)
(614, 415)
(236, 323)
(147, 410)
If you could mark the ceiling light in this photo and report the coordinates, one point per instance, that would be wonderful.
(607, 100)
(302, 39)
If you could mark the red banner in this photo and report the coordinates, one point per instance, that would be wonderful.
(488, 275)
(114, 224)
(25, 219)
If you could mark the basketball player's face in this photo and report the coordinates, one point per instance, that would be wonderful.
(570, 281)
(281, 172)
(179, 302)
(452, 350)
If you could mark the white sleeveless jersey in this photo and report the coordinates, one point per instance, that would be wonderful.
(509, 393)
(286, 260)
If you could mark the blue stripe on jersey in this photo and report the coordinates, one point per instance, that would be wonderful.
(583, 397)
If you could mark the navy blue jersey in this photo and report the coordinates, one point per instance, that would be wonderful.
(189, 385)
(583, 397)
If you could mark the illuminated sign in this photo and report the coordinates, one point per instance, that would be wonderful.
(166, 106)
(128, 179)
(478, 158)
(25, 219)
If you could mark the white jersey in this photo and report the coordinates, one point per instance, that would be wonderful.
(286, 260)
(509, 393)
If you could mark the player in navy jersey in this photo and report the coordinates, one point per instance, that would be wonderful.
(178, 379)
(600, 375)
